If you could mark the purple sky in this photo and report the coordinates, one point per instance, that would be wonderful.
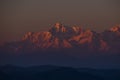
(20, 16)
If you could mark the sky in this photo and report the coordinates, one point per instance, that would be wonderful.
(20, 16)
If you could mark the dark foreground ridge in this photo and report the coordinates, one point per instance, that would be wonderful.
(47, 72)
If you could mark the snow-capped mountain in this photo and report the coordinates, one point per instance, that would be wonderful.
(64, 37)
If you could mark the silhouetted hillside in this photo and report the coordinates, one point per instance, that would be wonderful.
(56, 73)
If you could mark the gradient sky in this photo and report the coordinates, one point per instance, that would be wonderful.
(20, 16)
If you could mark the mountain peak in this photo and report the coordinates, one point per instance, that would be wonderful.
(77, 29)
(58, 25)
(115, 28)
(57, 28)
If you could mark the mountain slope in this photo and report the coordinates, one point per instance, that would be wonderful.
(61, 37)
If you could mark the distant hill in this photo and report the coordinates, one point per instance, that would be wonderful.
(57, 73)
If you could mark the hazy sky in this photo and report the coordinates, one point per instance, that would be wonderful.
(19, 16)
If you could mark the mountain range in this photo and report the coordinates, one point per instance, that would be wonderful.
(65, 38)
(65, 46)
